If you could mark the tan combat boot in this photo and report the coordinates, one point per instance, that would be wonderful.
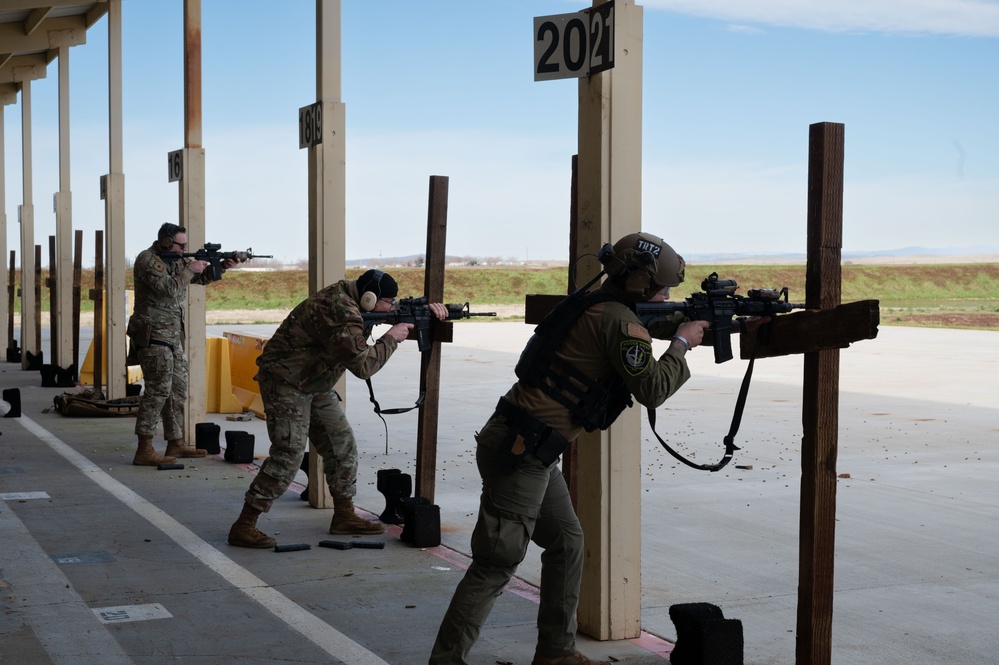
(244, 532)
(180, 448)
(146, 456)
(346, 521)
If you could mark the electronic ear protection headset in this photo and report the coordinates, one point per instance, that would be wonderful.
(372, 291)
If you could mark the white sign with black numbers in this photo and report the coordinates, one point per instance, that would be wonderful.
(175, 166)
(310, 125)
(574, 45)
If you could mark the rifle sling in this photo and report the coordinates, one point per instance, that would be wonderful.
(379, 411)
(729, 439)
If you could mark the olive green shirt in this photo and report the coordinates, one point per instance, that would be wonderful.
(609, 340)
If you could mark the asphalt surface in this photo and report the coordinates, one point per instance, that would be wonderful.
(105, 562)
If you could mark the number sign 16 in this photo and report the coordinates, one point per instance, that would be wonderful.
(175, 166)
(574, 45)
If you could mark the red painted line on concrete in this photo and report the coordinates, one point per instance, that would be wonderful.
(654, 645)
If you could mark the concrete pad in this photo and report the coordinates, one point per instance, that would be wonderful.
(916, 545)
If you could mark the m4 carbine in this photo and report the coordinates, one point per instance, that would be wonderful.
(212, 253)
(718, 305)
(417, 311)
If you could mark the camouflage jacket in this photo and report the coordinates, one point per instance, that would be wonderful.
(160, 297)
(320, 339)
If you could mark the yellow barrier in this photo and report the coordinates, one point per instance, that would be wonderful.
(243, 353)
(230, 364)
(220, 397)
(87, 370)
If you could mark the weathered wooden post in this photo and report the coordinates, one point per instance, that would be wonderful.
(77, 285)
(430, 360)
(97, 295)
(819, 333)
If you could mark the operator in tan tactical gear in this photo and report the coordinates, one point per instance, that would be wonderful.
(156, 341)
(586, 361)
(319, 340)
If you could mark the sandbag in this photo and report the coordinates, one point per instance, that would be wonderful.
(91, 404)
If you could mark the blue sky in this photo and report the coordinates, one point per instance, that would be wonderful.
(446, 87)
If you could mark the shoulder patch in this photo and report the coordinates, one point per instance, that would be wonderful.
(633, 329)
(360, 343)
(635, 356)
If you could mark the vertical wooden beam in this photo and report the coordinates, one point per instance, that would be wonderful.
(192, 217)
(97, 295)
(609, 462)
(53, 287)
(37, 286)
(61, 263)
(5, 283)
(570, 457)
(27, 214)
(12, 346)
(77, 292)
(327, 193)
(820, 401)
(430, 360)
(114, 343)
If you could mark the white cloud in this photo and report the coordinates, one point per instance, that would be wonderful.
(948, 17)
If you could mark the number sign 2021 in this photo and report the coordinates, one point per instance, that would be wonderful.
(574, 45)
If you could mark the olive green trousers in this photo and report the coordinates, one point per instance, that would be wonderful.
(528, 503)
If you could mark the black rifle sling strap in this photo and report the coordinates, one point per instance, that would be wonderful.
(733, 429)
(379, 411)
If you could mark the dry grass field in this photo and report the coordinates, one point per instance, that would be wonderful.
(960, 295)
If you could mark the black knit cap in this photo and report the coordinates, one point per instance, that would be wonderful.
(380, 283)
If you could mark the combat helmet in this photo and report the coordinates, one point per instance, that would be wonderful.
(642, 264)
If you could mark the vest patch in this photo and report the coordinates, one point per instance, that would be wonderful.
(635, 356)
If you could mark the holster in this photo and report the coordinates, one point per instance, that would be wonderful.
(138, 332)
(537, 436)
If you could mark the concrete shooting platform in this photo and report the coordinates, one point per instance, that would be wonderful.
(105, 562)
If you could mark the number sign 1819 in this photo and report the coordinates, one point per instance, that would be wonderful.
(574, 45)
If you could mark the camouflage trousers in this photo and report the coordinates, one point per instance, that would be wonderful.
(293, 418)
(165, 375)
(528, 504)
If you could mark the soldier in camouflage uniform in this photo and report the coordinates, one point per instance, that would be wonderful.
(604, 351)
(321, 338)
(156, 341)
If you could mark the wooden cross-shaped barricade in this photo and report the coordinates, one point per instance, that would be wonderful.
(430, 360)
(819, 333)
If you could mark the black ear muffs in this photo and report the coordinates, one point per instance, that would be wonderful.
(372, 291)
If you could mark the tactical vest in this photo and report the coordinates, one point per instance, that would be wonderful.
(591, 404)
